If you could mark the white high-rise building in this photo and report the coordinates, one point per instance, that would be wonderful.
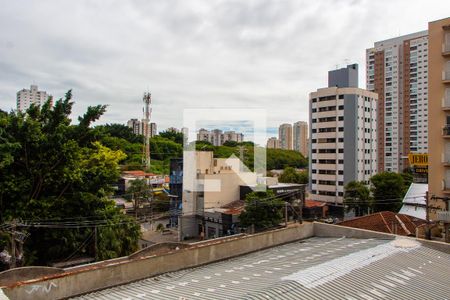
(397, 70)
(32, 96)
(343, 135)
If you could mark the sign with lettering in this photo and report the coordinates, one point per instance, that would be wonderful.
(416, 159)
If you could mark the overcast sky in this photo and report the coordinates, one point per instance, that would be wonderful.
(240, 54)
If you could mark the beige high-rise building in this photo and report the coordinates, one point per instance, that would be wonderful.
(300, 136)
(32, 96)
(396, 69)
(439, 117)
(285, 136)
(273, 143)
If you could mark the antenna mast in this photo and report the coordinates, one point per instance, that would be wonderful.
(146, 129)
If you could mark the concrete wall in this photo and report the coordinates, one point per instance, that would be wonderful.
(329, 230)
(11, 276)
(95, 278)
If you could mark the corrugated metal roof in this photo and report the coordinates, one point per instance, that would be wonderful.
(414, 201)
(316, 268)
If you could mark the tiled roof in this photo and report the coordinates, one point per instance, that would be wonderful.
(138, 173)
(234, 208)
(386, 221)
(314, 203)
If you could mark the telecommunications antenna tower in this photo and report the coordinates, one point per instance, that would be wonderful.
(146, 129)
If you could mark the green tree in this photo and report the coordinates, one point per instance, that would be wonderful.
(280, 158)
(262, 209)
(357, 197)
(290, 175)
(139, 193)
(174, 136)
(163, 148)
(388, 191)
(230, 143)
(120, 131)
(407, 180)
(54, 170)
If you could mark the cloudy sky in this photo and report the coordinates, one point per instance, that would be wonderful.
(213, 53)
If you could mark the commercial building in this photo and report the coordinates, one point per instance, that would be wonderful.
(338, 156)
(217, 137)
(397, 70)
(32, 96)
(439, 119)
(273, 143)
(300, 137)
(176, 189)
(285, 136)
(211, 185)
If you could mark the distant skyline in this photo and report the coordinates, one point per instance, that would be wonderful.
(241, 54)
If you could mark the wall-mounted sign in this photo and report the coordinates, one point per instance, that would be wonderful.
(416, 159)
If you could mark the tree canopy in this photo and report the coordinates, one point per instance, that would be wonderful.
(262, 209)
(290, 175)
(357, 197)
(388, 190)
(51, 169)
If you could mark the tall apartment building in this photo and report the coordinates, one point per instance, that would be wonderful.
(285, 136)
(32, 96)
(273, 143)
(217, 137)
(232, 136)
(153, 129)
(336, 156)
(397, 70)
(300, 137)
(137, 127)
(439, 117)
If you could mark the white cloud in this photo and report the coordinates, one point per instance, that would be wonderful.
(264, 53)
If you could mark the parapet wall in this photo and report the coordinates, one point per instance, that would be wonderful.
(328, 230)
(81, 281)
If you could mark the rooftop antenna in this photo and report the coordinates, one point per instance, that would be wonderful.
(147, 99)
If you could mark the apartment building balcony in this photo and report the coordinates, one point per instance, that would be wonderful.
(446, 49)
(446, 76)
(446, 101)
(446, 131)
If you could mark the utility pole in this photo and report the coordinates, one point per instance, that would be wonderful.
(241, 157)
(95, 244)
(285, 213)
(13, 243)
(302, 203)
(427, 216)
